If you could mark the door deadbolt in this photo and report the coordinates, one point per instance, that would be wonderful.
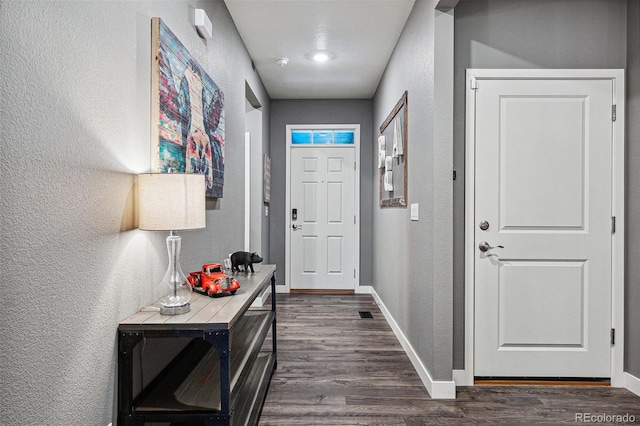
(484, 225)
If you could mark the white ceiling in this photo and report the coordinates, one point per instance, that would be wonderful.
(360, 33)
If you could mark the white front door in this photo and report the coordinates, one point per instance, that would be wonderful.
(543, 203)
(322, 218)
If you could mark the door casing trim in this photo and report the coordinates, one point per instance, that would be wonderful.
(289, 127)
(466, 377)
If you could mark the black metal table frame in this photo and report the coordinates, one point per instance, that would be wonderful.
(219, 338)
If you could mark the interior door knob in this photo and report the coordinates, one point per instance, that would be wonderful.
(484, 246)
(296, 227)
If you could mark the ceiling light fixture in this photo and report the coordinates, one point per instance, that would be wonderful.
(320, 56)
(282, 62)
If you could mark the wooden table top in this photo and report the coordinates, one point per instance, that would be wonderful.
(219, 313)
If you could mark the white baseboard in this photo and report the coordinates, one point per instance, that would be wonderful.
(462, 378)
(438, 389)
(282, 289)
(262, 299)
(632, 383)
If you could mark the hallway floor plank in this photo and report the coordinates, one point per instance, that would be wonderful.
(335, 368)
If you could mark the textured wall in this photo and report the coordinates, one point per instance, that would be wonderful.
(74, 130)
(632, 254)
(412, 260)
(524, 34)
(323, 111)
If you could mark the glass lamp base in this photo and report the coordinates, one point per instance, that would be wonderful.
(175, 310)
(175, 286)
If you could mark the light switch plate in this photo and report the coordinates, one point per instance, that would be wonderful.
(414, 211)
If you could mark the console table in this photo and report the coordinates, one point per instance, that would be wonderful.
(222, 361)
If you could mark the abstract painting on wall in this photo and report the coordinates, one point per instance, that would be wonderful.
(187, 113)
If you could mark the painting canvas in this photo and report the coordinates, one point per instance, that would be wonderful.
(187, 113)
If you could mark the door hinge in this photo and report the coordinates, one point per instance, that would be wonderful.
(613, 113)
(613, 224)
(613, 336)
(473, 84)
(455, 174)
(354, 273)
(355, 166)
(354, 219)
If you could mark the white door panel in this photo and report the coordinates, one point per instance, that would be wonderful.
(323, 235)
(543, 183)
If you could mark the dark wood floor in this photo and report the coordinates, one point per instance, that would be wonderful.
(335, 368)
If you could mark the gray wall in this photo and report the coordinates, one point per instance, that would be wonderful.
(283, 112)
(632, 250)
(74, 132)
(412, 260)
(526, 34)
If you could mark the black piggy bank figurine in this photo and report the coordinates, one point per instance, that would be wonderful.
(244, 258)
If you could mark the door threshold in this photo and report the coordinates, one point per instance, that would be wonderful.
(327, 291)
(541, 381)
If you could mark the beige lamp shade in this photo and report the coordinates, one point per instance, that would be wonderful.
(171, 201)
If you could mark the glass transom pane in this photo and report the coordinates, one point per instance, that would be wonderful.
(300, 137)
(343, 137)
(322, 137)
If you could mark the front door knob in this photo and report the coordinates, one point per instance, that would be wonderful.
(484, 246)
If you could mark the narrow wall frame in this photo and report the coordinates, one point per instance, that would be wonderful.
(396, 126)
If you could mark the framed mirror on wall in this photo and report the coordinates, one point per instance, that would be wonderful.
(393, 156)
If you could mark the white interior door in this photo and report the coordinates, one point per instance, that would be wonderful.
(322, 218)
(543, 201)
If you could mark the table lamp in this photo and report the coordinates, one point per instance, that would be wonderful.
(172, 202)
